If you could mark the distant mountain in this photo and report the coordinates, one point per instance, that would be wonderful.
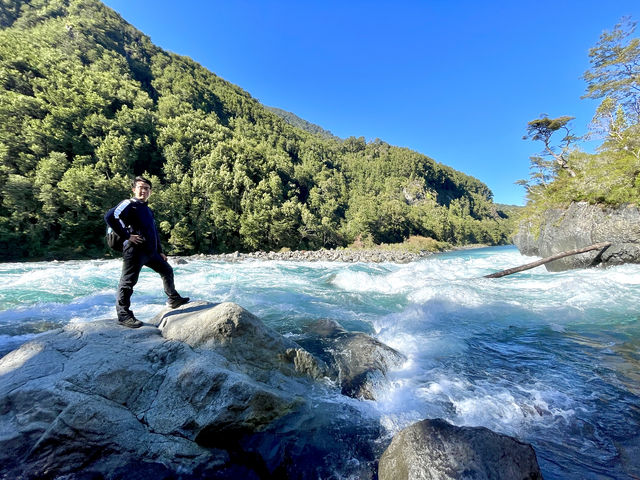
(296, 121)
(87, 102)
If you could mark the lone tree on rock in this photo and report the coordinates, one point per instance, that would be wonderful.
(553, 158)
(543, 129)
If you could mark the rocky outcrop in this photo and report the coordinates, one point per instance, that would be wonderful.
(435, 449)
(359, 361)
(580, 225)
(209, 393)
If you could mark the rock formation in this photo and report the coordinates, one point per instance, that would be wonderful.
(580, 225)
(207, 391)
(437, 450)
(211, 393)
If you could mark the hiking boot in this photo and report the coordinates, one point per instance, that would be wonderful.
(177, 302)
(131, 322)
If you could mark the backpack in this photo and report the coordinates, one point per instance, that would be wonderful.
(115, 241)
(111, 238)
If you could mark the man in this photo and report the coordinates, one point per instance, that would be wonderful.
(132, 220)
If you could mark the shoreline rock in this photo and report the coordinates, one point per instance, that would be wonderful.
(203, 391)
(345, 255)
(580, 225)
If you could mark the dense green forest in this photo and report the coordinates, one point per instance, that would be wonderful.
(562, 173)
(87, 102)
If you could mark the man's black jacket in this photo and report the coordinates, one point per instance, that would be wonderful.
(133, 216)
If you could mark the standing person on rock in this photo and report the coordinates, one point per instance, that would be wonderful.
(132, 220)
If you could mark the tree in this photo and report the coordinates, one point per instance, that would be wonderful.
(611, 121)
(563, 174)
(614, 76)
(543, 129)
(615, 69)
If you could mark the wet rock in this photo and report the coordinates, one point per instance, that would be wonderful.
(356, 360)
(211, 393)
(581, 225)
(435, 449)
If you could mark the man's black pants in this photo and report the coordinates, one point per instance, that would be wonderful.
(133, 261)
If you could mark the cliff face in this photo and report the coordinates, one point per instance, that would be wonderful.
(580, 225)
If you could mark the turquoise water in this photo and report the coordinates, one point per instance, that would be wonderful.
(551, 358)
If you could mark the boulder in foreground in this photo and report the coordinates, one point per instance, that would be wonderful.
(358, 361)
(212, 393)
(437, 450)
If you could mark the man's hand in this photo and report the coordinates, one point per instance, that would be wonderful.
(136, 239)
(164, 257)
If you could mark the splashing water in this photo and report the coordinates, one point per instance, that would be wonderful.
(551, 358)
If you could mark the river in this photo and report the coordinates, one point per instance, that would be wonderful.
(550, 358)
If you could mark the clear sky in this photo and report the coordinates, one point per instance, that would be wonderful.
(457, 80)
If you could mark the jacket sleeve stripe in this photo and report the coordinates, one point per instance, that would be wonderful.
(118, 211)
(121, 206)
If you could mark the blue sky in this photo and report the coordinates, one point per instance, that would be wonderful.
(455, 80)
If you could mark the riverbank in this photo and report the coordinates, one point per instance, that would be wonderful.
(340, 255)
(381, 254)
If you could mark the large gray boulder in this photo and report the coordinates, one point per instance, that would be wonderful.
(581, 225)
(437, 450)
(211, 393)
(239, 336)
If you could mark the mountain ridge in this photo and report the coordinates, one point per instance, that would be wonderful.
(296, 121)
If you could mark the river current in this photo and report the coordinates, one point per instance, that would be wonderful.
(550, 358)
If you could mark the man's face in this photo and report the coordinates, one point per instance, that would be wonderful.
(142, 191)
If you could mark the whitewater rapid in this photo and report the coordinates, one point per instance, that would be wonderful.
(551, 358)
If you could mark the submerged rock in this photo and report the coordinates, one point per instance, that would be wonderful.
(437, 450)
(581, 225)
(358, 362)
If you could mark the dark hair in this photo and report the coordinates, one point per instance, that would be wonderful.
(141, 179)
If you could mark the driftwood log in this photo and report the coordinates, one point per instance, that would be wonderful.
(537, 263)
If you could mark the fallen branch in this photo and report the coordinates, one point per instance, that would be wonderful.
(537, 263)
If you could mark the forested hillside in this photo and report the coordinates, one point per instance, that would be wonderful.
(87, 102)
